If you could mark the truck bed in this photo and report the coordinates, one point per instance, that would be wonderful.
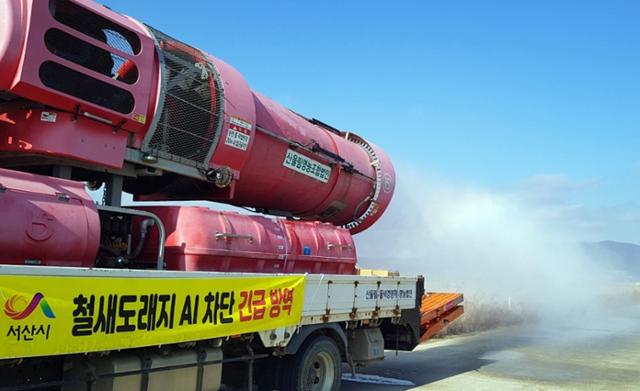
(62, 310)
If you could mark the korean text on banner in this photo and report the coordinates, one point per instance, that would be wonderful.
(46, 315)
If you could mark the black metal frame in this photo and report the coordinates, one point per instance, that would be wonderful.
(146, 370)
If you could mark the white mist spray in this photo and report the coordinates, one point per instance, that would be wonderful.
(489, 246)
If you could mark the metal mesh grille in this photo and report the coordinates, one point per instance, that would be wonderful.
(191, 119)
(118, 41)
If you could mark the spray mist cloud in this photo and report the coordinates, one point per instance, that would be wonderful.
(486, 244)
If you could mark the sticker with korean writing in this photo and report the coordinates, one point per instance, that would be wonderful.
(47, 116)
(239, 134)
(140, 118)
(307, 166)
(239, 122)
(44, 315)
(237, 139)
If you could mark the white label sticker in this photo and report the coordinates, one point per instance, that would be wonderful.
(240, 122)
(307, 166)
(237, 139)
(46, 116)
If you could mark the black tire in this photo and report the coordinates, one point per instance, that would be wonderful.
(315, 367)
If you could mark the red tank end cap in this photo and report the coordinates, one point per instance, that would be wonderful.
(46, 221)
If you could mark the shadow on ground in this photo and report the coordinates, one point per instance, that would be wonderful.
(438, 360)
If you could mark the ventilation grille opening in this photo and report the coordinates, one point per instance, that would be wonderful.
(68, 81)
(95, 26)
(89, 56)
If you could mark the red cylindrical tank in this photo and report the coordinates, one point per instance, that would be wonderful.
(353, 192)
(201, 239)
(183, 111)
(12, 26)
(46, 221)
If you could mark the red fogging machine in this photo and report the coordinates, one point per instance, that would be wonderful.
(91, 97)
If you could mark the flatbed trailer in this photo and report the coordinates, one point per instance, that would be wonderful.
(117, 329)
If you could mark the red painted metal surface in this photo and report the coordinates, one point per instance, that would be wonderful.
(201, 239)
(12, 35)
(286, 163)
(267, 183)
(46, 221)
(238, 104)
(23, 77)
(40, 131)
(330, 249)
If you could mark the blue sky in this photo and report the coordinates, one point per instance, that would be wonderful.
(541, 98)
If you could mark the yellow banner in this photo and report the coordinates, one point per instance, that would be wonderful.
(43, 315)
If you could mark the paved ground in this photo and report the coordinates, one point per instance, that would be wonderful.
(592, 356)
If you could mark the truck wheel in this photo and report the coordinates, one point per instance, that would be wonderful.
(315, 367)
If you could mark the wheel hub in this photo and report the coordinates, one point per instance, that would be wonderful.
(320, 373)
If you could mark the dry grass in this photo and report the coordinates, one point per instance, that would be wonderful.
(482, 314)
(623, 294)
(486, 315)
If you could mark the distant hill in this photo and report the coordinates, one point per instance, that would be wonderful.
(624, 257)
